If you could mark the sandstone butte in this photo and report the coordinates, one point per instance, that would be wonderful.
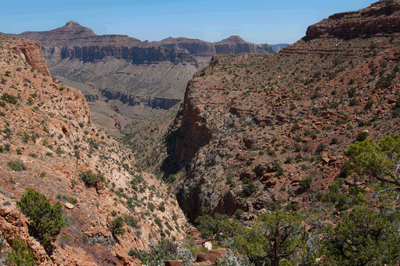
(49, 129)
(275, 120)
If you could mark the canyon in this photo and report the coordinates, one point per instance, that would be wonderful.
(151, 74)
(274, 120)
(257, 134)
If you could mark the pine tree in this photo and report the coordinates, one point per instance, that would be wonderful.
(20, 255)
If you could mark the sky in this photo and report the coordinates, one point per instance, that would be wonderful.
(257, 21)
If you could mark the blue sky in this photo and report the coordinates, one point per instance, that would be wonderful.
(272, 22)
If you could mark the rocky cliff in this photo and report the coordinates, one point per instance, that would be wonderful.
(31, 52)
(253, 127)
(75, 41)
(380, 18)
(47, 129)
(233, 44)
(193, 46)
(135, 55)
(157, 71)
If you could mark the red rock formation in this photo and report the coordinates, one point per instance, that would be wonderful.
(379, 18)
(31, 52)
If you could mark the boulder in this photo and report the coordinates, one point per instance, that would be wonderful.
(69, 205)
(207, 245)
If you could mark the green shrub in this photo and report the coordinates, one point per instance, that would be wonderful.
(131, 221)
(9, 98)
(164, 250)
(385, 82)
(30, 101)
(295, 127)
(46, 221)
(151, 206)
(278, 169)
(362, 136)
(353, 102)
(306, 182)
(369, 105)
(2, 243)
(91, 179)
(396, 113)
(33, 155)
(20, 255)
(321, 147)
(362, 237)
(161, 207)
(334, 141)
(288, 160)
(17, 165)
(249, 188)
(158, 222)
(72, 200)
(116, 226)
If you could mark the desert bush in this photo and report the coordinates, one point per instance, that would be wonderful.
(9, 98)
(131, 221)
(151, 206)
(91, 179)
(306, 182)
(362, 136)
(164, 250)
(321, 147)
(369, 104)
(249, 188)
(17, 165)
(116, 226)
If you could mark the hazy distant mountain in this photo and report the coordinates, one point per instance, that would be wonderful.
(279, 46)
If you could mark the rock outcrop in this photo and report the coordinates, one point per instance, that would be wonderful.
(380, 18)
(31, 52)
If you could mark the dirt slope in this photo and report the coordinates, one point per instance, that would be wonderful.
(47, 127)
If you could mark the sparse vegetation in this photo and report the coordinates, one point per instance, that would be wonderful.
(17, 165)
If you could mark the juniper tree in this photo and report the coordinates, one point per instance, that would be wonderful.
(46, 221)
